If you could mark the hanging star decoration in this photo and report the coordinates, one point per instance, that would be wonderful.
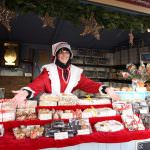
(6, 16)
(48, 21)
(91, 27)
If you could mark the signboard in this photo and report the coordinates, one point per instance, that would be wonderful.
(143, 145)
(143, 3)
(145, 57)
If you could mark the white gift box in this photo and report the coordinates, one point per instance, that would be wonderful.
(7, 106)
(107, 113)
(123, 107)
(109, 126)
(66, 115)
(87, 115)
(97, 101)
(9, 116)
(1, 130)
(83, 131)
(66, 103)
(132, 122)
(47, 103)
(43, 116)
(85, 102)
(49, 97)
(29, 104)
(94, 101)
(1, 117)
(7, 112)
(68, 97)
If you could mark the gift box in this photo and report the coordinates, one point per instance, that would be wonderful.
(94, 101)
(140, 107)
(26, 114)
(49, 97)
(7, 111)
(1, 130)
(29, 104)
(67, 102)
(44, 114)
(82, 126)
(132, 122)
(47, 103)
(8, 115)
(146, 120)
(122, 107)
(109, 126)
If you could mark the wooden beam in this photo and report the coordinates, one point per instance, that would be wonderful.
(124, 5)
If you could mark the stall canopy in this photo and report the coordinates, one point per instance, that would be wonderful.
(28, 28)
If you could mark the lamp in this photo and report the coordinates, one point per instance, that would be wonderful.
(10, 54)
(10, 57)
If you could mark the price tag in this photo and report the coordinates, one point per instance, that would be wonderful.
(67, 115)
(83, 131)
(60, 135)
(144, 111)
(45, 116)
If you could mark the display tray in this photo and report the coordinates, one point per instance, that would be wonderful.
(8, 141)
(132, 95)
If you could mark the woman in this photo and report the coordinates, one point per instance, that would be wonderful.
(61, 77)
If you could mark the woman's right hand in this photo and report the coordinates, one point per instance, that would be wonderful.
(112, 94)
(20, 98)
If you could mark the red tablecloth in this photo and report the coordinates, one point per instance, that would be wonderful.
(9, 141)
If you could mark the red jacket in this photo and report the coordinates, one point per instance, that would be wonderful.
(43, 83)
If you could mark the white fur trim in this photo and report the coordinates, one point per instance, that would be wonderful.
(100, 90)
(44, 67)
(54, 77)
(74, 78)
(29, 89)
(59, 45)
(75, 74)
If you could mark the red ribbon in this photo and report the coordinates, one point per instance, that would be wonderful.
(3, 111)
(4, 100)
(124, 107)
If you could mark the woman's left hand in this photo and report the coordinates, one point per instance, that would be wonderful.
(20, 98)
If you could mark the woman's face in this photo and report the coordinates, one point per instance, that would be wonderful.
(63, 56)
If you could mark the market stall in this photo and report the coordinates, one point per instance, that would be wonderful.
(124, 138)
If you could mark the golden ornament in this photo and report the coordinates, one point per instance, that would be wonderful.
(91, 27)
(131, 38)
(6, 16)
(48, 21)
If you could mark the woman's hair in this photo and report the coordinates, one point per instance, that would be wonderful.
(63, 49)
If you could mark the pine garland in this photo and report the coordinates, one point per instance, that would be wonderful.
(73, 10)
